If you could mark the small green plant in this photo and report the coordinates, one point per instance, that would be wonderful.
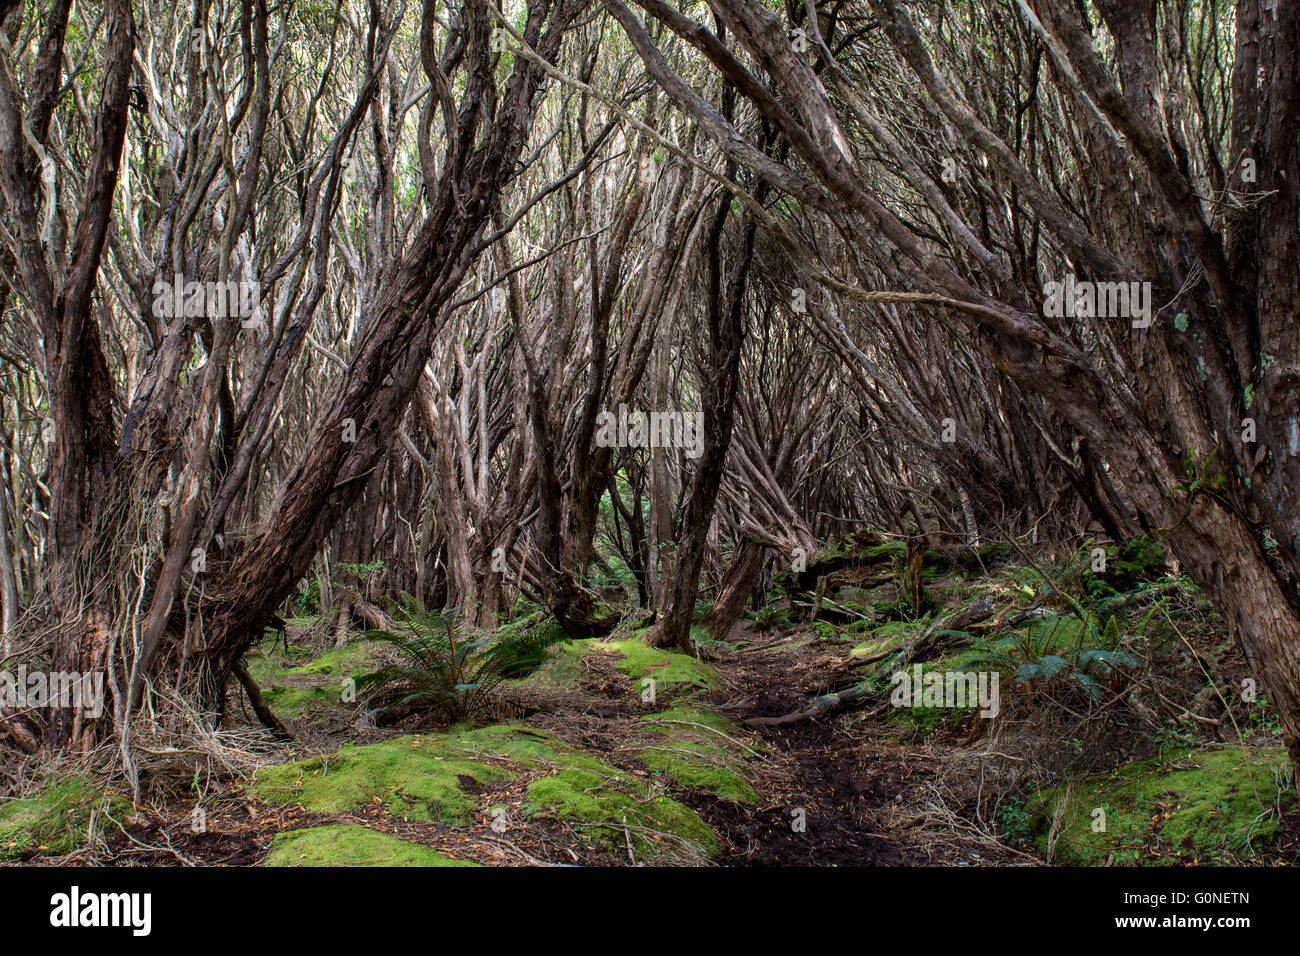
(1263, 718)
(769, 617)
(1198, 476)
(1169, 740)
(307, 601)
(365, 572)
(826, 631)
(444, 669)
(1017, 822)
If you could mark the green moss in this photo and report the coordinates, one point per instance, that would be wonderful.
(697, 765)
(1204, 806)
(670, 670)
(887, 550)
(520, 745)
(1142, 558)
(296, 701)
(424, 778)
(417, 778)
(1128, 565)
(294, 689)
(880, 644)
(1026, 583)
(538, 623)
(616, 808)
(346, 661)
(266, 667)
(696, 755)
(351, 845)
(301, 623)
(890, 635)
(562, 667)
(262, 669)
(55, 819)
(826, 631)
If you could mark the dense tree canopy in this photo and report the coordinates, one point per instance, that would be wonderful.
(507, 303)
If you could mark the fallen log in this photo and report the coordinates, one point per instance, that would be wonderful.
(935, 636)
(941, 632)
(830, 611)
(865, 559)
(823, 706)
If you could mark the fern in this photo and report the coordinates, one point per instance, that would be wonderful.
(1034, 658)
(443, 669)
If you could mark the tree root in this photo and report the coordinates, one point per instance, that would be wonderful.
(264, 713)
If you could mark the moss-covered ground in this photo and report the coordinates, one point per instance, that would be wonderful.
(296, 683)
(700, 750)
(440, 778)
(351, 845)
(1191, 806)
(674, 674)
(58, 817)
(1121, 739)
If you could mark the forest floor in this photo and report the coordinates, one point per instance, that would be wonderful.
(1117, 743)
(825, 792)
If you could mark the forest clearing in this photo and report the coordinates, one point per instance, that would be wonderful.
(650, 434)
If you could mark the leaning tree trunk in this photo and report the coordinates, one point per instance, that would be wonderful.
(736, 589)
(1224, 556)
(379, 383)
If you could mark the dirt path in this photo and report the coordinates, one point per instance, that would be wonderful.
(861, 797)
(825, 789)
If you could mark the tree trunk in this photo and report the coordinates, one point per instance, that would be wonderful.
(736, 589)
(724, 314)
(1223, 554)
